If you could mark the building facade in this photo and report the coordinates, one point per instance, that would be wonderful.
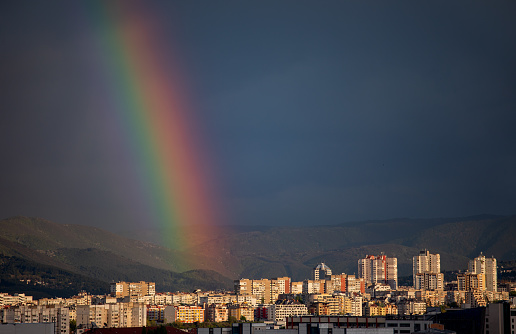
(379, 269)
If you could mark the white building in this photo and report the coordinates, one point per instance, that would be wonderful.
(426, 269)
(112, 315)
(379, 269)
(486, 266)
(321, 271)
(282, 309)
(59, 316)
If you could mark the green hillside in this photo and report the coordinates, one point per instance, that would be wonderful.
(18, 275)
(255, 252)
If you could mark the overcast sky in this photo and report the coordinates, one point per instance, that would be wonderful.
(313, 112)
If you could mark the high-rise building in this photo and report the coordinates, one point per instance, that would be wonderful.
(486, 266)
(134, 290)
(426, 269)
(321, 271)
(379, 269)
(264, 290)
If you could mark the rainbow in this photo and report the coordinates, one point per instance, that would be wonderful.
(151, 104)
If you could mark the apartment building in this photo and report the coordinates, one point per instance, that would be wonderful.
(241, 310)
(411, 307)
(282, 309)
(14, 300)
(115, 315)
(296, 288)
(350, 305)
(379, 269)
(312, 286)
(487, 267)
(185, 314)
(321, 271)
(264, 290)
(335, 283)
(216, 313)
(324, 304)
(133, 290)
(471, 281)
(38, 314)
(355, 285)
(426, 269)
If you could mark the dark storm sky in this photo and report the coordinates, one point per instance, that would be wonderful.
(315, 112)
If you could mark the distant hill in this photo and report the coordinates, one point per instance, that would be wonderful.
(98, 255)
(254, 252)
(294, 251)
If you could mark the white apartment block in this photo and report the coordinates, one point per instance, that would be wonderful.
(355, 285)
(426, 262)
(16, 299)
(426, 269)
(429, 281)
(162, 299)
(471, 281)
(350, 305)
(296, 288)
(38, 314)
(321, 271)
(133, 290)
(283, 309)
(112, 315)
(486, 266)
(311, 286)
(216, 313)
(410, 307)
(379, 269)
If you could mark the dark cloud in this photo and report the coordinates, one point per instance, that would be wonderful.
(312, 113)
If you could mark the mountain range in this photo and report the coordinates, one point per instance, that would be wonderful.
(29, 246)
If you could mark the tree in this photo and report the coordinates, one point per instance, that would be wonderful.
(177, 324)
(232, 319)
(73, 326)
(242, 318)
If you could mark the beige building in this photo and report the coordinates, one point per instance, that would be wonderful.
(350, 305)
(324, 304)
(241, 310)
(282, 309)
(411, 307)
(296, 288)
(14, 300)
(112, 315)
(37, 314)
(470, 281)
(313, 287)
(426, 269)
(487, 267)
(355, 285)
(216, 313)
(264, 290)
(320, 272)
(379, 269)
(133, 290)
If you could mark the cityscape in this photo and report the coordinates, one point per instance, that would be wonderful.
(371, 299)
(257, 167)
